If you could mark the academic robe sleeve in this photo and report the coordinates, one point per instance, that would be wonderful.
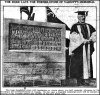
(74, 29)
(92, 30)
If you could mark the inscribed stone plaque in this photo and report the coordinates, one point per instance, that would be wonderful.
(29, 41)
(34, 37)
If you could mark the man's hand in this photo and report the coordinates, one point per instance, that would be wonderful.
(70, 53)
(93, 37)
(86, 41)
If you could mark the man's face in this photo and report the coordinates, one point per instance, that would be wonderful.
(81, 18)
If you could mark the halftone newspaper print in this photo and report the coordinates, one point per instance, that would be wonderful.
(49, 47)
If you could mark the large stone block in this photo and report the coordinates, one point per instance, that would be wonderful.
(10, 71)
(13, 79)
(33, 49)
(69, 82)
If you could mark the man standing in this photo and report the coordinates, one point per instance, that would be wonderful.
(82, 38)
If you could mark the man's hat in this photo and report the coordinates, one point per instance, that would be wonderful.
(82, 13)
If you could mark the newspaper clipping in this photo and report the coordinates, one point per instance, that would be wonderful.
(49, 47)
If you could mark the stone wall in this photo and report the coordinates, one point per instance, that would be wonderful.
(16, 73)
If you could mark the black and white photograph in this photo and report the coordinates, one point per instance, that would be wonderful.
(51, 47)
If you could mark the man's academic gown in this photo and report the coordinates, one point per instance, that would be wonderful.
(76, 59)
